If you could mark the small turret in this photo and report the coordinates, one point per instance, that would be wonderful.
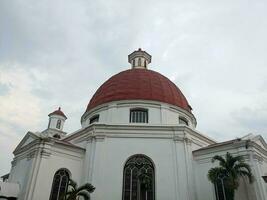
(139, 59)
(57, 120)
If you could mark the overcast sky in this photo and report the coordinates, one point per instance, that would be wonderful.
(57, 53)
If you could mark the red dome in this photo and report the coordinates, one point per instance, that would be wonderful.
(139, 84)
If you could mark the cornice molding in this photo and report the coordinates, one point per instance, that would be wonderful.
(122, 130)
(241, 144)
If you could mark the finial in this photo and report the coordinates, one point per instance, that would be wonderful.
(59, 108)
(139, 59)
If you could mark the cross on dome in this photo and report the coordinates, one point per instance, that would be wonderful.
(139, 59)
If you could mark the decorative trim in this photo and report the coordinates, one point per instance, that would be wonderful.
(45, 153)
(13, 162)
(147, 131)
(152, 103)
(32, 154)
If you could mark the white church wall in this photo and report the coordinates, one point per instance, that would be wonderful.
(246, 191)
(263, 172)
(59, 159)
(112, 145)
(111, 155)
(204, 188)
(106, 156)
(258, 162)
(21, 173)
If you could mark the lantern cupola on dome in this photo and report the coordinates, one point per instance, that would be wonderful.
(139, 59)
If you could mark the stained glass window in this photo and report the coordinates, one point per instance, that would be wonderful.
(60, 184)
(138, 179)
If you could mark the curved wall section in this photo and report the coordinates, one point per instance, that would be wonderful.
(118, 112)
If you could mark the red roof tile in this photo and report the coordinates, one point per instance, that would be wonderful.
(139, 84)
(58, 112)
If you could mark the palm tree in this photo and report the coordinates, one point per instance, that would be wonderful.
(74, 192)
(231, 169)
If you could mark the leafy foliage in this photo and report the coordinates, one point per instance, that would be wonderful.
(230, 168)
(74, 192)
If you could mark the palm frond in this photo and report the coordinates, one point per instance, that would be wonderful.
(243, 166)
(85, 195)
(87, 187)
(72, 184)
(246, 174)
(220, 159)
(230, 169)
(236, 159)
(83, 191)
(215, 173)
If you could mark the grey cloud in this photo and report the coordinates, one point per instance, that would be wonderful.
(4, 89)
(252, 119)
(214, 51)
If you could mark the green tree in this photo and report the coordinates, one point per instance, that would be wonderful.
(74, 192)
(231, 169)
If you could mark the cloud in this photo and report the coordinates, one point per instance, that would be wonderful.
(19, 106)
(57, 53)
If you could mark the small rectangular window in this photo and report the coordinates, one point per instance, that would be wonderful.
(138, 116)
(94, 119)
(183, 121)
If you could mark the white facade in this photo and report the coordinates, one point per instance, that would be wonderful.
(98, 152)
(117, 112)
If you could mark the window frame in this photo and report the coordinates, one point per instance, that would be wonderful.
(132, 164)
(136, 117)
(59, 186)
(184, 120)
(94, 119)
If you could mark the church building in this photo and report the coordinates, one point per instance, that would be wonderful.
(137, 122)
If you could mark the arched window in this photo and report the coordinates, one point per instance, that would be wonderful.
(138, 115)
(60, 184)
(58, 124)
(219, 190)
(139, 61)
(138, 179)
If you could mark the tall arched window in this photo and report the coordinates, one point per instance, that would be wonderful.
(60, 184)
(58, 124)
(139, 62)
(138, 179)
